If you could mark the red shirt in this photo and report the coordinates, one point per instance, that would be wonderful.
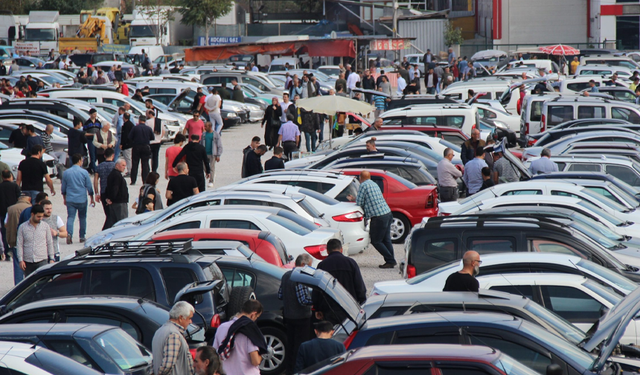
(171, 154)
(125, 89)
(202, 108)
(194, 127)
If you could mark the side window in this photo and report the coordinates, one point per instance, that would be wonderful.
(536, 111)
(625, 114)
(564, 194)
(561, 165)
(523, 192)
(549, 246)
(70, 349)
(494, 245)
(455, 121)
(187, 225)
(605, 193)
(379, 181)
(238, 278)
(235, 224)
(211, 81)
(424, 336)
(586, 111)
(393, 121)
(251, 202)
(176, 279)
(426, 120)
(486, 114)
(571, 303)
(109, 281)
(578, 86)
(444, 250)
(531, 358)
(624, 173)
(50, 286)
(213, 202)
(407, 368)
(559, 114)
(520, 290)
(579, 167)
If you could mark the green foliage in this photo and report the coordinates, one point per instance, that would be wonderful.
(452, 36)
(203, 12)
(62, 6)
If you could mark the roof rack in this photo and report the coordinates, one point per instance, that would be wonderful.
(140, 247)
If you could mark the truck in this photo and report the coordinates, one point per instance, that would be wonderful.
(9, 28)
(148, 27)
(41, 34)
(94, 32)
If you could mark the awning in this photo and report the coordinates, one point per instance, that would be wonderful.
(315, 48)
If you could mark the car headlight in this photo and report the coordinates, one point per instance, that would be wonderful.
(234, 108)
(231, 115)
(253, 107)
(173, 123)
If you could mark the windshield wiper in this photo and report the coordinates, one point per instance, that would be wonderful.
(619, 246)
(624, 224)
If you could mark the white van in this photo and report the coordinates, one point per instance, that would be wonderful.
(493, 89)
(173, 123)
(531, 114)
(461, 116)
(152, 51)
(279, 65)
(575, 85)
(562, 109)
(603, 70)
(548, 65)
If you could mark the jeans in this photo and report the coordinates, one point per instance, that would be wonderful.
(310, 139)
(155, 154)
(18, 274)
(216, 120)
(92, 155)
(431, 90)
(117, 149)
(32, 194)
(81, 209)
(380, 232)
(117, 212)
(141, 154)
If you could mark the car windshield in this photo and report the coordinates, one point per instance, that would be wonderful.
(593, 209)
(596, 226)
(285, 213)
(289, 225)
(320, 197)
(583, 358)
(628, 198)
(570, 332)
(455, 148)
(445, 269)
(123, 349)
(588, 231)
(512, 367)
(609, 275)
(39, 35)
(606, 202)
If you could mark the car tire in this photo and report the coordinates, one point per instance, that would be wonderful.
(239, 295)
(274, 363)
(400, 227)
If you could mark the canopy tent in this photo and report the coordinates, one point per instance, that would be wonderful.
(320, 47)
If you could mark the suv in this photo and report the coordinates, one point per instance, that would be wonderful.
(562, 109)
(157, 272)
(461, 116)
(621, 167)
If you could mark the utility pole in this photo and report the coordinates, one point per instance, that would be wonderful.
(395, 26)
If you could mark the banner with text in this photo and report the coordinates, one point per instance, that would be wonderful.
(218, 40)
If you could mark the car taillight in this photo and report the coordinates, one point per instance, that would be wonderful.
(193, 353)
(350, 217)
(411, 271)
(317, 251)
(349, 339)
(473, 126)
(543, 122)
(445, 213)
(215, 321)
(526, 128)
(430, 201)
(532, 142)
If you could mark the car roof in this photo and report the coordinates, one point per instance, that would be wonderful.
(52, 329)
(127, 303)
(405, 321)
(540, 278)
(594, 159)
(227, 232)
(431, 351)
(483, 296)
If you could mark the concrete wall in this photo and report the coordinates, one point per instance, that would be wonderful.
(428, 33)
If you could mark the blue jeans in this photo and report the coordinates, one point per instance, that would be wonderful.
(117, 149)
(32, 194)
(18, 274)
(81, 209)
(92, 154)
(380, 232)
(311, 139)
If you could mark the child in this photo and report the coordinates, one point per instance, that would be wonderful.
(148, 204)
(276, 161)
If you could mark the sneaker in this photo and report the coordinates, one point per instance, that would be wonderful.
(69, 240)
(387, 265)
(82, 239)
(210, 184)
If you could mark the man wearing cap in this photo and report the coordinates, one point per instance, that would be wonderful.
(91, 127)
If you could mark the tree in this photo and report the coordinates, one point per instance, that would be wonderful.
(161, 11)
(62, 6)
(203, 13)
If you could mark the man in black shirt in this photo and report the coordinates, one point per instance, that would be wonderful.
(17, 137)
(182, 185)
(196, 158)
(196, 100)
(255, 142)
(91, 127)
(320, 348)
(125, 144)
(276, 161)
(76, 139)
(140, 136)
(465, 279)
(31, 171)
(9, 194)
(253, 165)
(116, 195)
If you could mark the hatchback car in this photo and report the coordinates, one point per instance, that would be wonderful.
(18, 358)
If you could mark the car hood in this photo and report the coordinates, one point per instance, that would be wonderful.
(611, 327)
(134, 219)
(330, 286)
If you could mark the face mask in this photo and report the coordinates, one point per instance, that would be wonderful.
(476, 270)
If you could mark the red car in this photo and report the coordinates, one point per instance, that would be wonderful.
(267, 245)
(409, 203)
(428, 359)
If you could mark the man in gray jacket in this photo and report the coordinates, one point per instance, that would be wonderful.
(169, 348)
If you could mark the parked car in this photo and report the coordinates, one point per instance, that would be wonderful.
(408, 168)
(598, 136)
(449, 134)
(577, 126)
(100, 347)
(628, 189)
(18, 358)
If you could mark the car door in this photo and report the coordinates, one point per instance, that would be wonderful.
(573, 304)
(623, 172)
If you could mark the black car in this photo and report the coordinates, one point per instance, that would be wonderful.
(156, 272)
(446, 238)
(138, 317)
(101, 347)
(62, 123)
(56, 107)
(182, 104)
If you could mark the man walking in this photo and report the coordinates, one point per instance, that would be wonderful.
(289, 136)
(212, 104)
(544, 164)
(196, 157)
(169, 347)
(12, 222)
(255, 142)
(376, 208)
(58, 229)
(448, 175)
(76, 183)
(76, 139)
(116, 195)
(60, 156)
(170, 155)
(125, 141)
(100, 180)
(297, 304)
(91, 127)
(118, 121)
(194, 126)
(103, 140)
(320, 348)
(465, 279)
(34, 245)
(182, 185)
(240, 342)
(213, 147)
(141, 136)
(31, 171)
(154, 123)
(473, 172)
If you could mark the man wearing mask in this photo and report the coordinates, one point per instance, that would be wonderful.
(465, 279)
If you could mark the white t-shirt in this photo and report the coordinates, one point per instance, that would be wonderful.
(152, 124)
(284, 107)
(212, 102)
(239, 361)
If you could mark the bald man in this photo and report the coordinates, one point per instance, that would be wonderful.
(465, 279)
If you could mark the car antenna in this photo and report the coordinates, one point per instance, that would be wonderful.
(56, 315)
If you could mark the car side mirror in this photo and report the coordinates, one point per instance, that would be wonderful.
(554, 369)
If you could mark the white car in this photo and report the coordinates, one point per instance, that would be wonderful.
(498, 116)
(346, 216)
(19, 358)
(13, 156)
(299, 235)
(506, 263)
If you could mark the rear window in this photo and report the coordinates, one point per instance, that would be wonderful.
(559, 114)
(320, 197)
(298, 219)
(578, 86)
(175, 279)
(123, 349)
(408, 184)
(279, 246)
(290, 225)
(625, 114)
(309, 208)
(351, 189)
(54, 363)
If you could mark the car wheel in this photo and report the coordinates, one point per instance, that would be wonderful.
(239, 295)
(400, 227)
(273, 362)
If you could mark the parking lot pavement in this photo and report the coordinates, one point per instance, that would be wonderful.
(227, 171)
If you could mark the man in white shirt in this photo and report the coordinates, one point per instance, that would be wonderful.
(352, 80)
(284, 105)
(212, 104)
(401, 85)
(254, 68)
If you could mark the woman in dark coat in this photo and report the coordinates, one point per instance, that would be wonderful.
(272, 118)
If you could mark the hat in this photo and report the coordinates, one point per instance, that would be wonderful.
(25, 194)
(92, 111)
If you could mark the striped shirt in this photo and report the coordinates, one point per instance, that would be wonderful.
(170, 353)
(379, 101)
(34, 244)
(371, 200)
(46, 140)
